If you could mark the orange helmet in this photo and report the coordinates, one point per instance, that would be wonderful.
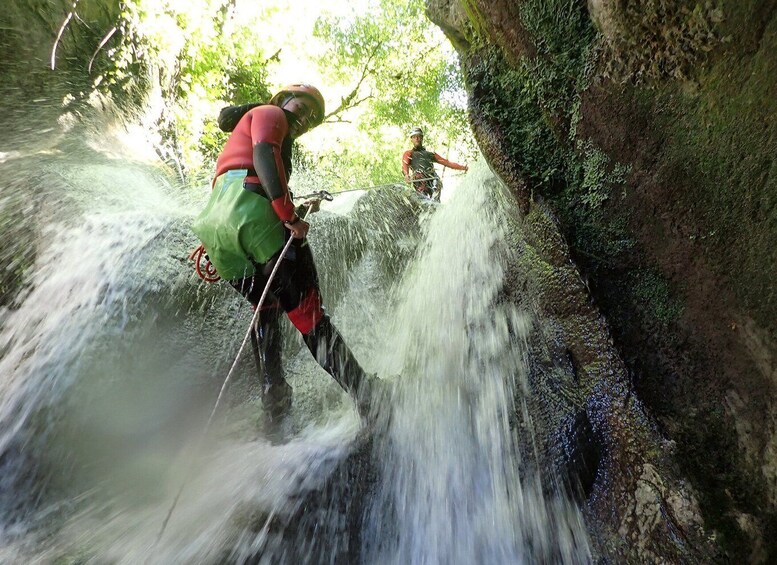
(311, 92)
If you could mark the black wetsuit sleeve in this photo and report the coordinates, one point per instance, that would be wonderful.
(268, 168)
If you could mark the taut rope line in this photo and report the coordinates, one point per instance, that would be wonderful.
(251, 326)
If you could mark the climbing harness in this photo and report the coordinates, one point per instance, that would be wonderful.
(207, 271)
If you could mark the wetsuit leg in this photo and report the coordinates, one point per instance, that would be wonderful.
(267, 342)
(331, 352)
(296, 286)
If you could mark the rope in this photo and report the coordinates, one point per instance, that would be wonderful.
(366, 188)
(208, 272)
(210, 275)
(251, 326)
(400, 184)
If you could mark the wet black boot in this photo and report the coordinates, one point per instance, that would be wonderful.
(330, 351)
(268, 347)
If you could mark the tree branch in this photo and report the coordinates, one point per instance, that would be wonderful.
(350, 100)
(100, 46)
(59, 35)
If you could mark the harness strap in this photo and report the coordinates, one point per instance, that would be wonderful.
(255, 187)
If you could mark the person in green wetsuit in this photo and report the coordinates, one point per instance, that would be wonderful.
(249, 218)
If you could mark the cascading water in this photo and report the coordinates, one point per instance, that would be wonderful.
(451, 491)
(113, 355)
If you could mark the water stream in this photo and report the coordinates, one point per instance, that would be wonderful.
(114, 352)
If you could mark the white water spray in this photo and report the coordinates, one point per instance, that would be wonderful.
(451, 489)
(103, 315)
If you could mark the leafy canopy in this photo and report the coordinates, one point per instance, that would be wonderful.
(386, 69)
(397, 70)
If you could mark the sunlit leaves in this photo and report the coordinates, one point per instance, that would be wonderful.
(399, 70)
(398, 51)
(386, 67)
(198, 59)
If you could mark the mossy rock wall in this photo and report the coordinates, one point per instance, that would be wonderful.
(647, 131)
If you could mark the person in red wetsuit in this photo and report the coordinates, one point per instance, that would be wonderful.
(249, 218)
(421, 162)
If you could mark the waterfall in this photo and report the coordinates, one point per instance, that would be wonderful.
(452, 491)
(113, 353)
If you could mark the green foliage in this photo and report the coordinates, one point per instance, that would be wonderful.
(363, 170)
(199, 59)
(401, 76)
(724, 480)
(176, 64)
(597, 179)
(240, 81)
(391, 59)
(247, 80)
(562, 35)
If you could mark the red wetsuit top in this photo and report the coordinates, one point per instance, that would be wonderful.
(260, 143)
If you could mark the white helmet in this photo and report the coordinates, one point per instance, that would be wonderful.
(416, 131)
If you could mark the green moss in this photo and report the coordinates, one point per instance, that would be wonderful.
(714, 173)
(539, 271)
(476, 19)
(539, 107)
(593, 205)
(722, 137)
(651, 295)
(543, 235)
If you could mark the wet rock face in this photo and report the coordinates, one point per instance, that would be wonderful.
(583, 451)
(636, 138)
(591, 432)
(366, 233)
(453, 16)
(654, 40)
(463, 22)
